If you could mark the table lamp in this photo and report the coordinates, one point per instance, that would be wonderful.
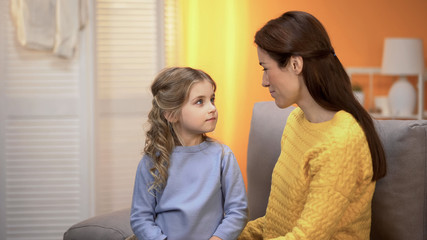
(402, 57)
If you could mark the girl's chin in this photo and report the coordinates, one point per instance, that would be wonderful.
(209, 129)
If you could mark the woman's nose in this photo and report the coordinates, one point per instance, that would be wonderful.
(265, 82)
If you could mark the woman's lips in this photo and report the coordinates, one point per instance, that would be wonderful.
(272, 92)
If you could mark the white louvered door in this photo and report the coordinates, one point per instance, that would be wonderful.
(128, 56)
(45, 139)
(71, 131)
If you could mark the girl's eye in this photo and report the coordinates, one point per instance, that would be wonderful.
(213, 101)
(200, 101)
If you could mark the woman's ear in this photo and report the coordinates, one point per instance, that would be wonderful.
(170, 117)
(296, 64)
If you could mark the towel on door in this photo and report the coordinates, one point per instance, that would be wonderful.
(49, 25)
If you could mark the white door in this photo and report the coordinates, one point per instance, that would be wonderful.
(45, 143)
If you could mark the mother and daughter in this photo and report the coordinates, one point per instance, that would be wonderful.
(189, 186)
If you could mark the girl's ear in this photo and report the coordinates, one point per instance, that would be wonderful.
(170, 117)
(296, 64)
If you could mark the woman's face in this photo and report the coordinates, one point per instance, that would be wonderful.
(283, 83)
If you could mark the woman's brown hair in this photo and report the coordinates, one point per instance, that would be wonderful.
(298, 33)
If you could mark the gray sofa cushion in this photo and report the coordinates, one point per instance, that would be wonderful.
(267, 124)
(399, 206)
(110, 226)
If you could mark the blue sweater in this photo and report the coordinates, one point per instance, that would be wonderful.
(204, 196)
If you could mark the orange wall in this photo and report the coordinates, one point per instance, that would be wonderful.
(217, 36)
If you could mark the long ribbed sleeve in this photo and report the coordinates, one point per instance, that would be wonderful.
(144, 205)
(253, 230)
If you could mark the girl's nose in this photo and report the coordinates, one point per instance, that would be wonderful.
(212, 108)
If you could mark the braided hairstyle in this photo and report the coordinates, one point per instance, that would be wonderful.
(170, 90)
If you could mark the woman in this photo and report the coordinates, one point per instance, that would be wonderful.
(324, 179)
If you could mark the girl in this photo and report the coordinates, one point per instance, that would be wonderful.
(324, 179)
(187, 186)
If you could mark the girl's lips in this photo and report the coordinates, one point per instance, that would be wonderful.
(211, 119)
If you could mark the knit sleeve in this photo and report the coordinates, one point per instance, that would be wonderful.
(335, 173)
(253, 230)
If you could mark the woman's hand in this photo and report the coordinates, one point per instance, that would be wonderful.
(215, 238)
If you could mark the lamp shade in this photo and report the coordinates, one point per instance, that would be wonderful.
(403, 56)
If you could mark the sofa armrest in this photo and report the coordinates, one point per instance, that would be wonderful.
(110, 226)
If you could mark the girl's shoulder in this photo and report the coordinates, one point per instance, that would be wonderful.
(146, 161)
(215, 144)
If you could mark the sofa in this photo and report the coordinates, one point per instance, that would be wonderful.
(399, 205)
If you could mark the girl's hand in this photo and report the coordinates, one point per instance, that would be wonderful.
(215, 238)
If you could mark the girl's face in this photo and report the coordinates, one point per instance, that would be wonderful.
(198, 115)
(283, 83)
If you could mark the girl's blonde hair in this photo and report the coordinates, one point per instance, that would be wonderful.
(170, 91)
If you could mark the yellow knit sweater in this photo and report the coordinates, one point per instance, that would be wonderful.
(321, 185)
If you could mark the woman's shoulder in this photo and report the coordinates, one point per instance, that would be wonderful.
(346, 140)
(344, 118)
(296, 114)
(347, 126)
(345, 136)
